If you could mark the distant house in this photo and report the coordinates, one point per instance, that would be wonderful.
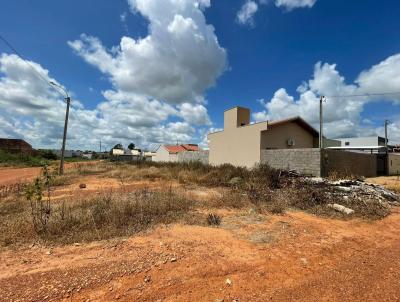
(87, 155)
(117, 151)
(12, 145)
(373, 142)
(148, 155)
(169, 153)
(67, 153)
(133, 152)
(128, 155)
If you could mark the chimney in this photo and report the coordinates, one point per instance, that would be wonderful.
(236, 117)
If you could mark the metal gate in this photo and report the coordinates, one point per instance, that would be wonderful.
(381, 164)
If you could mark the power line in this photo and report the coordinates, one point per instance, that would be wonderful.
(362, 95)
(26, 61)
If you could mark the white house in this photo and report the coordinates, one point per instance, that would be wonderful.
(134, 152)
(117, 152)
(371, 141)
(169, 153)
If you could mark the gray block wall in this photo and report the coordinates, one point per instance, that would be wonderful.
(306, 161)
(349, 163)
(193, 156)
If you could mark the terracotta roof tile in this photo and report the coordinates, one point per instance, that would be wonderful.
(174, 148)
(181, 148)
(191, 147)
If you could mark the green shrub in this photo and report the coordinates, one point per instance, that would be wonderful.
(8, 159)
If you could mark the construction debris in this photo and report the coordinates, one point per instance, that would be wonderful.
(345, 197)
(351, 188)
(340, 208)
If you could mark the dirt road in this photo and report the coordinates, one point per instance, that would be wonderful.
(10, 176)
(294, 257)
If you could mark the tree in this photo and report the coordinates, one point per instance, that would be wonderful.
(118, 146)
(131, 146)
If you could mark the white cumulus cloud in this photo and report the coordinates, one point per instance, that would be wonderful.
(245, 16)
(194, 114)
(157, 84)
(342, 115)
(246, 13)
(292, 4)
(178, 60)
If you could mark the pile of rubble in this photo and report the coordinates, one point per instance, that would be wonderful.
(354, 192)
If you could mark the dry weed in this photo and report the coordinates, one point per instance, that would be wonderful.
(99, 218)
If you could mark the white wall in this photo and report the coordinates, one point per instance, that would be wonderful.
(361, 141)
(237, 146)
(394, 164)
(162, 154)
(117, 152)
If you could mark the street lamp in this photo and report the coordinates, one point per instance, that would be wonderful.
(68, 100)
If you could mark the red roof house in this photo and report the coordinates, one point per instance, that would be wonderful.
(168, 153)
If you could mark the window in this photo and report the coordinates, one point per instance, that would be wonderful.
(347, 143)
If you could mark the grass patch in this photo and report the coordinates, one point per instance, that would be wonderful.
(263, 187)
(87, 220)
(93, 168)
(394, 188)
(213, 219)
(227, 198)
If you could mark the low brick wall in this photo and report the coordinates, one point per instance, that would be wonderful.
(349, 163)
(193, 156)
(306, 161)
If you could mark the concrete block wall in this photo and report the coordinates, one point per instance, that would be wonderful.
(306, 161)
(190, 156)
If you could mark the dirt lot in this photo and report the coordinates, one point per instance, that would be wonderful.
(250, 257)
(10, 176)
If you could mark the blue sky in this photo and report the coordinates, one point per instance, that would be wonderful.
(174, 86)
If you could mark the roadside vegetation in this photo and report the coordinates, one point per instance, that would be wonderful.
(21, 160)
(31, 213)
(41, 158)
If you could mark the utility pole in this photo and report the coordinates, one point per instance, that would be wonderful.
(68, 100)
(321, 123)
(387, 122)
(100, 146)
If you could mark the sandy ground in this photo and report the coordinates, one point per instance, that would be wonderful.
(250, 257)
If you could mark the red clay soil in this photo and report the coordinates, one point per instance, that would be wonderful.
(103, 185)
(10, 176)
(294, 257)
